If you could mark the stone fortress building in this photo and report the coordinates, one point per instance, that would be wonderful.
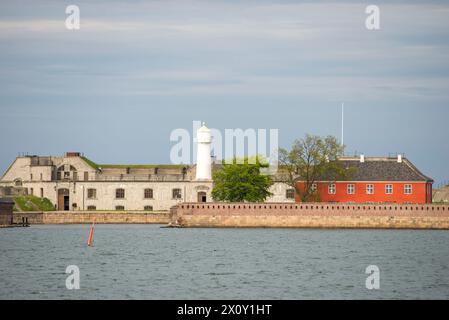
(73, 182)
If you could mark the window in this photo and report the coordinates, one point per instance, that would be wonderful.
(31, 191)
(66, 175)
(120, 193)
(370, 189)
(86, 176)
(350, 189)
(75, 176)
(290, 194)
(42, 192)
(408, 189)
(148, 208)
(119, 208)
(313, 188)
(91, 208)
(389, 189)
(148, 194)
(41, 177)
(176, 193)
(331, 189)
(31, 177)
(91, 193)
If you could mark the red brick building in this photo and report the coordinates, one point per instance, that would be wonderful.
(377, 180)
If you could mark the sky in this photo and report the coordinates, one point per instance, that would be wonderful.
(136, 70)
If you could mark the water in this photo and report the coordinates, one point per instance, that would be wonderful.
(149, 262)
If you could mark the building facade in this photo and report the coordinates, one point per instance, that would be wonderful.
(73, 182)
(376, 180)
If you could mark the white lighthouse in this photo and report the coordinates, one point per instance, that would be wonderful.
(203, 161)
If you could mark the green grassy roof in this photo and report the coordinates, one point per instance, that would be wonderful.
(97, 166)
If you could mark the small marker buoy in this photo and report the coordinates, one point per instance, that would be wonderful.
(91, 234)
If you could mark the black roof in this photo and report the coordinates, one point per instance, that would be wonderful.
(383, 169)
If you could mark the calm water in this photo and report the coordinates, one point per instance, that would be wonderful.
(149, 262)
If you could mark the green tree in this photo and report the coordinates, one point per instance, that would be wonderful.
(241, 181)
(310, 159)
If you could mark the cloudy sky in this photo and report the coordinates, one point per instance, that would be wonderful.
(136, 70)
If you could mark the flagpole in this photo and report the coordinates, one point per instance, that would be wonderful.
(342, 123)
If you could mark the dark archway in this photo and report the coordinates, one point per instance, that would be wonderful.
(202, 196)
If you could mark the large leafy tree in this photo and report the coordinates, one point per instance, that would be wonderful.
(241, 181)
(310, 159)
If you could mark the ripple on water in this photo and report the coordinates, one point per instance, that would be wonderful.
(147, 262)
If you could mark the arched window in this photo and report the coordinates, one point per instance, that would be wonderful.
(67, 172)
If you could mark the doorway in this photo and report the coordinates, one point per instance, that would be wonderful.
(202, 197)
(63, 199)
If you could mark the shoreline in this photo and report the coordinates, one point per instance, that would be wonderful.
(268, 215)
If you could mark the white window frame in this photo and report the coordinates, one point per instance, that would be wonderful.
(352, 187)
(332, 188)
(408, 189)
(387, 189)
(370, 188)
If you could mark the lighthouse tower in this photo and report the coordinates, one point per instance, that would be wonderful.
(203, 161)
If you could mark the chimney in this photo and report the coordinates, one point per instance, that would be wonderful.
(362, 158)
(72, 154)
(399, 158)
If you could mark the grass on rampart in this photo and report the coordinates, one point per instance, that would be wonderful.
(32, 203)
(97, 166)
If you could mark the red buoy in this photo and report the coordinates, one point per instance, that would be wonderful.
(91, 234)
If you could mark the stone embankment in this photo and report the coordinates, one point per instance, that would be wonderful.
(311, 215)
(80, 217)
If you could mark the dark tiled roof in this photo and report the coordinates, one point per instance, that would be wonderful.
(373, 169)
(383, 169)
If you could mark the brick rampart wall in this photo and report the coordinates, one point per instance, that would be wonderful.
(69, 217)
(311, 215)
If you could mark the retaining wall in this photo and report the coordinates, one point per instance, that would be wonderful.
(313, 215)
(76, 217)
